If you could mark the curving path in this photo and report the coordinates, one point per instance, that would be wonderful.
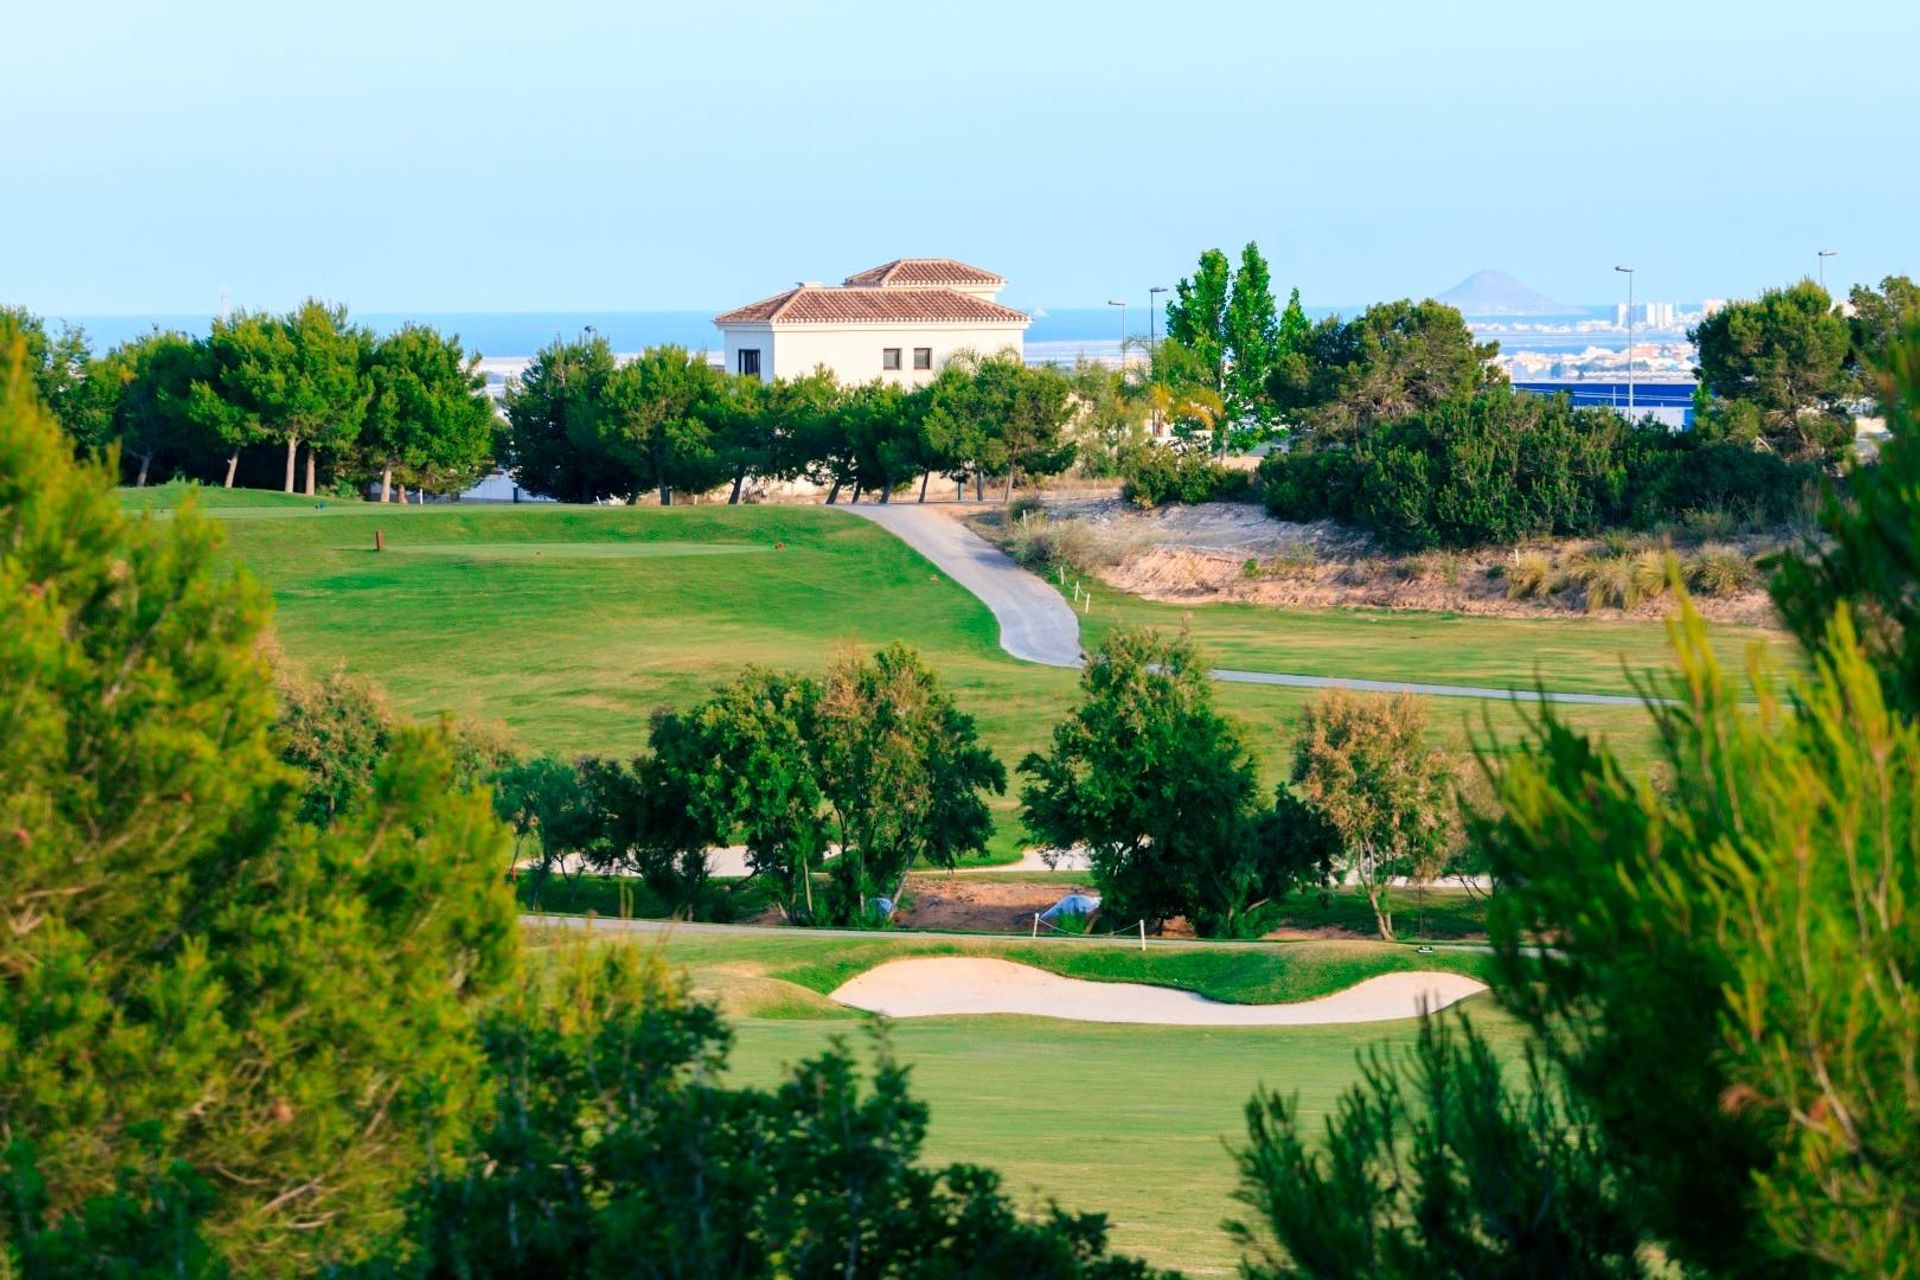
(1036, 625)
(942, 986)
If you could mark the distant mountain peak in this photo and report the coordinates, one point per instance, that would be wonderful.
(1495, 293)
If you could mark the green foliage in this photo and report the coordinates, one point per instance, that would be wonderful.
(1364, 765)
(1720, 571)
(874, 762)
(428, 421)
(194, 983)
(1879, 319)
(1872, 558)
(1727, 991)
(65, 376)
(1506, 466)
(656, 419)
(612, 1151)
(1785, 354)
(1157, 475)
(1434, 1167)
(902, 774)
(1223, 340)
(1109, 418)
(551, 441)
(1160, 790)
(1393, 359)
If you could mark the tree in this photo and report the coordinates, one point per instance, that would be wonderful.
(998, 414)
(295, 379)
(1197, 316)
(1786, 354)
(552, 441)
(228, 401)
(153, 379)
(428, 415)
(741, 765)
(657, 420)
(1364, 764)
(901, 773)
(215, 1020)
(613, 1149)
(1878, 319)
(1252, 332)
(1160, 790)
(1228, 338)
(1109, 417)
(1393, 359)
(1726, 995)
(64, 376)
(1434, 1167)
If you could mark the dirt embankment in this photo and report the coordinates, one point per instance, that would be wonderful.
(1236, 552)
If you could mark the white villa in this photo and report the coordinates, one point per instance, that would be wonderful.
(900, 321)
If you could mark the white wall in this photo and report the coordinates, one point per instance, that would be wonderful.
(853, 352)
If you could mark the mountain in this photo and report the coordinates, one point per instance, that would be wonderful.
(1495, 293)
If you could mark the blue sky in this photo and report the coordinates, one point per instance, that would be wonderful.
(620, 154)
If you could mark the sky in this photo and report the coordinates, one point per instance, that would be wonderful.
(427, 157)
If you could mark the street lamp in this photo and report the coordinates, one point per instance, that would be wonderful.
(1628, 272)
(1122, 304)
(1152, 307)
(1823, 255)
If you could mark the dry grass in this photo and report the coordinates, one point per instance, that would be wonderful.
(1530, 575)
(1721, 571)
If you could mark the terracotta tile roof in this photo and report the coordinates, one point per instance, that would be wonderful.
(820, 304)
(922, 272)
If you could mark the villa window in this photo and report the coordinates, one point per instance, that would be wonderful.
(750, 361)
(923, 357)
(889, 357)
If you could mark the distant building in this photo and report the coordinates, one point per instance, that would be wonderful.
(900, 321)
(1654, 315)
(1712, 306)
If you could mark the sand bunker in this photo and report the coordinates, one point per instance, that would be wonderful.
(944, 985)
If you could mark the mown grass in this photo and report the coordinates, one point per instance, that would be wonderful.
(1133, 1121)
(466, 614)
(727, 962)
(1574, 654)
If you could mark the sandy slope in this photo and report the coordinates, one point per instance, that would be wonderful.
(943, 985)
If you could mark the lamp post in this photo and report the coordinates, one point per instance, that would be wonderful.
(1823, 255)
(1628, 272)
(1153, 343)
(1122, 304)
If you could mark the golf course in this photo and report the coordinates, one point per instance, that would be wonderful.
(1071, 1110)
(570, 626)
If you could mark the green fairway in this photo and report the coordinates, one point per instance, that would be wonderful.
(571, 625)
(1572, 654)
(1127, 1120)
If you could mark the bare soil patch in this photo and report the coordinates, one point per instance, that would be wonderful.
(1222, 552)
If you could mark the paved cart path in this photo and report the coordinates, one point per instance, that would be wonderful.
(1038, 625)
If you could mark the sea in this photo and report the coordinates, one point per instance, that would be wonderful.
(507, 339)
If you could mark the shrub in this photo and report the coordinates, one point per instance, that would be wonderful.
(1364, 570)
(1157, 476)
(1721, 571)
(1295, 563)
(1617, 576)
(1439, 566)
(1506, 466)
(1530, 576)
(1041, 543)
